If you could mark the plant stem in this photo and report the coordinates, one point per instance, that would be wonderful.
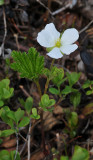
(16, 145)
(38, 87)
(52, 64)
(60, 99)
(41, 115)
(46, 85)
(47, 82)
(29, 136)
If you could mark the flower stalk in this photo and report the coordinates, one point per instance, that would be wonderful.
(41, 116)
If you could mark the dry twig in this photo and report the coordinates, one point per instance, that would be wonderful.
(57, 11)
(86, 27)
(29, 137)
(5, 34)
(17, 142)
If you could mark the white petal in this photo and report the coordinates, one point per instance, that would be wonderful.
(48, 36)
(67, 49)
(69, 36)
(55, 53)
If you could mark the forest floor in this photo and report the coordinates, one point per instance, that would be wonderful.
(20, 22)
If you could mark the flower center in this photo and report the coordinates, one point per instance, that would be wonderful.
(58, 43)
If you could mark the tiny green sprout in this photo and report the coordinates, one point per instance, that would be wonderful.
(28, 105)
(45, 103)
(75, 98)
(34, 114)
(5, 91)
(58, 75)
(72, 121)
(89, 86)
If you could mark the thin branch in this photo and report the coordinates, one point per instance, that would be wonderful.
(22, 137)
(57, 11)
(29, 137)
(5, 34)
(61, 9)
(25, 92)
(17, 142)
(86, 27)
(42, 4)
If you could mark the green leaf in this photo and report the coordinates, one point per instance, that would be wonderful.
(75, 98)
(24, 122)
(6, 133)
(46, 102)
(35, 117)
(80, 154)
(73, 78)
(51, 102)
(4, 111)
(29, 65)
(57, 75)
(4, 155)
(54, 91)
(11, 115)
(1, 2)
(73, 119)
(29, 104)
(1, 103)
(5, 91)
(19, 114)
(12, 155)
(86, 84)
(35, 114)
(22, 102)
(34, 111)
(89, 92)
(67, 90)
(64, 158)
(47, 72)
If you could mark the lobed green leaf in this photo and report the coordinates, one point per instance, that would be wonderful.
(29, 65)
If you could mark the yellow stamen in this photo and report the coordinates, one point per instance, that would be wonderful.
(58, 43)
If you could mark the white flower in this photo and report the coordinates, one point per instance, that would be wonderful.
(58, 45)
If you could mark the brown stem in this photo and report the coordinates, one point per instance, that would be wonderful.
(52, 64)
(41, 115)
(46, 86)
(60, 99)
(38, 87)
